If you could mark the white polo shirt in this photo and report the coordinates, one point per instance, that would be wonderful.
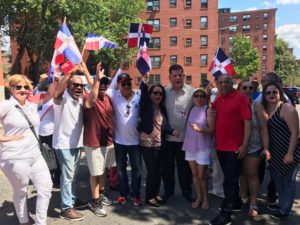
(68, 123)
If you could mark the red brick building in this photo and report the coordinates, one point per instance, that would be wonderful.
(185, 32)
(258, 25)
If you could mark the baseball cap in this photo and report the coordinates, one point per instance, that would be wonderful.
(123, 77)
(104, 80)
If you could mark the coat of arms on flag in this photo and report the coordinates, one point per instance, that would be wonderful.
(221, 64)
(138, 33)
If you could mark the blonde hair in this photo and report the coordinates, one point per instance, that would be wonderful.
(17, 78)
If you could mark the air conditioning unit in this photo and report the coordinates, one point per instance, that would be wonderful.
(155, 8)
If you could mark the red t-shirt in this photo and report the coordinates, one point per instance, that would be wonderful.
(231, 111)
(98, 123)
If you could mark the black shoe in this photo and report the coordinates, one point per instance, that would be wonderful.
(272, 198)
(80, 204)
(221, 219)
(273, 207)
(152, 202)
(279, 216)
(237, 208)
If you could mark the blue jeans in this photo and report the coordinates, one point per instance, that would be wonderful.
(135, 160)
(69, 164)
(286, 188)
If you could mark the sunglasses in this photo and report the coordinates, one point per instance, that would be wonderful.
(199, 96)
(126, 83)
(157, 93)
(247, 87)
(77, 85)
(271, 92)
(127, 110)
(19, 87)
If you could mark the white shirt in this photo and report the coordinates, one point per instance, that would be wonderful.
(14, 123)
(47, 119)
(68, 123)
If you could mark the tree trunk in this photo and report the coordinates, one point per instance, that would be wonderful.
(17, 64)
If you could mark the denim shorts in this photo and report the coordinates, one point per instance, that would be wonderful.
(256, 154)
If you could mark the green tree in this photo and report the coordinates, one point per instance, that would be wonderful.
(244, 56)
(285, 63)
(34, 25)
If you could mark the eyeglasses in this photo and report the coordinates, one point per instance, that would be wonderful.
(199, 96)
(19, 87)
(247, 87)
(271, 92)
(157, 93)
(126, 83)
(127, 110)
(77, 85)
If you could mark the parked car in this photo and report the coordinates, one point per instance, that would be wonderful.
(293, 93)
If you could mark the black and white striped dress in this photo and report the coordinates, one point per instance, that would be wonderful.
(279, 138)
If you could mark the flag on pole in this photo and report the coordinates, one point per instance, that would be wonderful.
(66, 53)
(95, 42)
(136, 32)
(143, 61)
(221, 64)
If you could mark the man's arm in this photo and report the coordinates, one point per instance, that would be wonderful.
(61, 87)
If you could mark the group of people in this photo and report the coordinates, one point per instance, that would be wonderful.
(176, 125)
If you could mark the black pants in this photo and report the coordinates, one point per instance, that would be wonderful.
(152, 159)
(173, 152)
(231, 167)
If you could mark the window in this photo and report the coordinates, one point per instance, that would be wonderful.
(188, 3)
(230, 40)
(222, 40)
(246, 17)
(265, 26)
(172, 3)
(187, 60)
(203, 77)
(264, 58)
(173, 22)
(266, 15)
(203, 4)
(203, 22)
(155, 23)
(232, 19)
(203, 41)
(265, 37)
(264, 47)
(232, 28)
(263, 68)
(188, 23)
(256, 16)
(154, 79)
(188, 42)
(173, 59)
(248, 36)
(203, 60)
(152, 5)
(173, 41)
(188, 79)
(256, 38)
(154, 42)
(246, 28)
(155, 61)
(256, 27)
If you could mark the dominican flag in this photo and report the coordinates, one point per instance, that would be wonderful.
(66, 53)
(143, 61)
(221, 64)
(95, 42)
(138, 31)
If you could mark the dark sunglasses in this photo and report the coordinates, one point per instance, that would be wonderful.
(126, 83)
(19, 87)
(76, 85)
(247, 87)
(199, 96)
(157, 93)
(271, 92)
(127, 110)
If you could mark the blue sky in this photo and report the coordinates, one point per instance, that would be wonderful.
(287, 17)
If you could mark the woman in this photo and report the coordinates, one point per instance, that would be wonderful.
(20, 156)
(198, 144)
(152, 126)
(249, 176)
(284, 146)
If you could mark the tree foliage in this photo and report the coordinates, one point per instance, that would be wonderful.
(34, 25)
(244, 56)
(285, 63)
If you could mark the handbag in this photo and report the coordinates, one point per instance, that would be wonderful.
(47, 152)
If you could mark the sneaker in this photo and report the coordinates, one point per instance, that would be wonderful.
(253, 210)
(137, 201)
(80, 204)
(105, 200)
(97, 208)
(221, 219)
(121, 200)
(72, 215)
(273, 207)
(279, 216)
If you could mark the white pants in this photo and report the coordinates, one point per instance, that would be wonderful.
(18, 173)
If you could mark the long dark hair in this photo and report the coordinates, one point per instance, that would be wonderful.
(163, 91)
(281, 94)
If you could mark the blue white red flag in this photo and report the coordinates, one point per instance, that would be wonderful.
(138, 33)
(66, 53)
(95, 42)
(143, 61)
(221, 64)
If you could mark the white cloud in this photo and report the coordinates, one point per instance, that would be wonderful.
(285, 2)
(269, 4)
(291, 34)
(251, 9)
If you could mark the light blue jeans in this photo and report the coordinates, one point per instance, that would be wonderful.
(69, 164)
(286, 188)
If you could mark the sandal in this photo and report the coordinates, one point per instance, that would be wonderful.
(196, 203)
(253, 210)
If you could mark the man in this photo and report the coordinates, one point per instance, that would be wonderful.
(178, 103)
(67, 141)
(126, 110)
(233, 128)
(98, 139)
